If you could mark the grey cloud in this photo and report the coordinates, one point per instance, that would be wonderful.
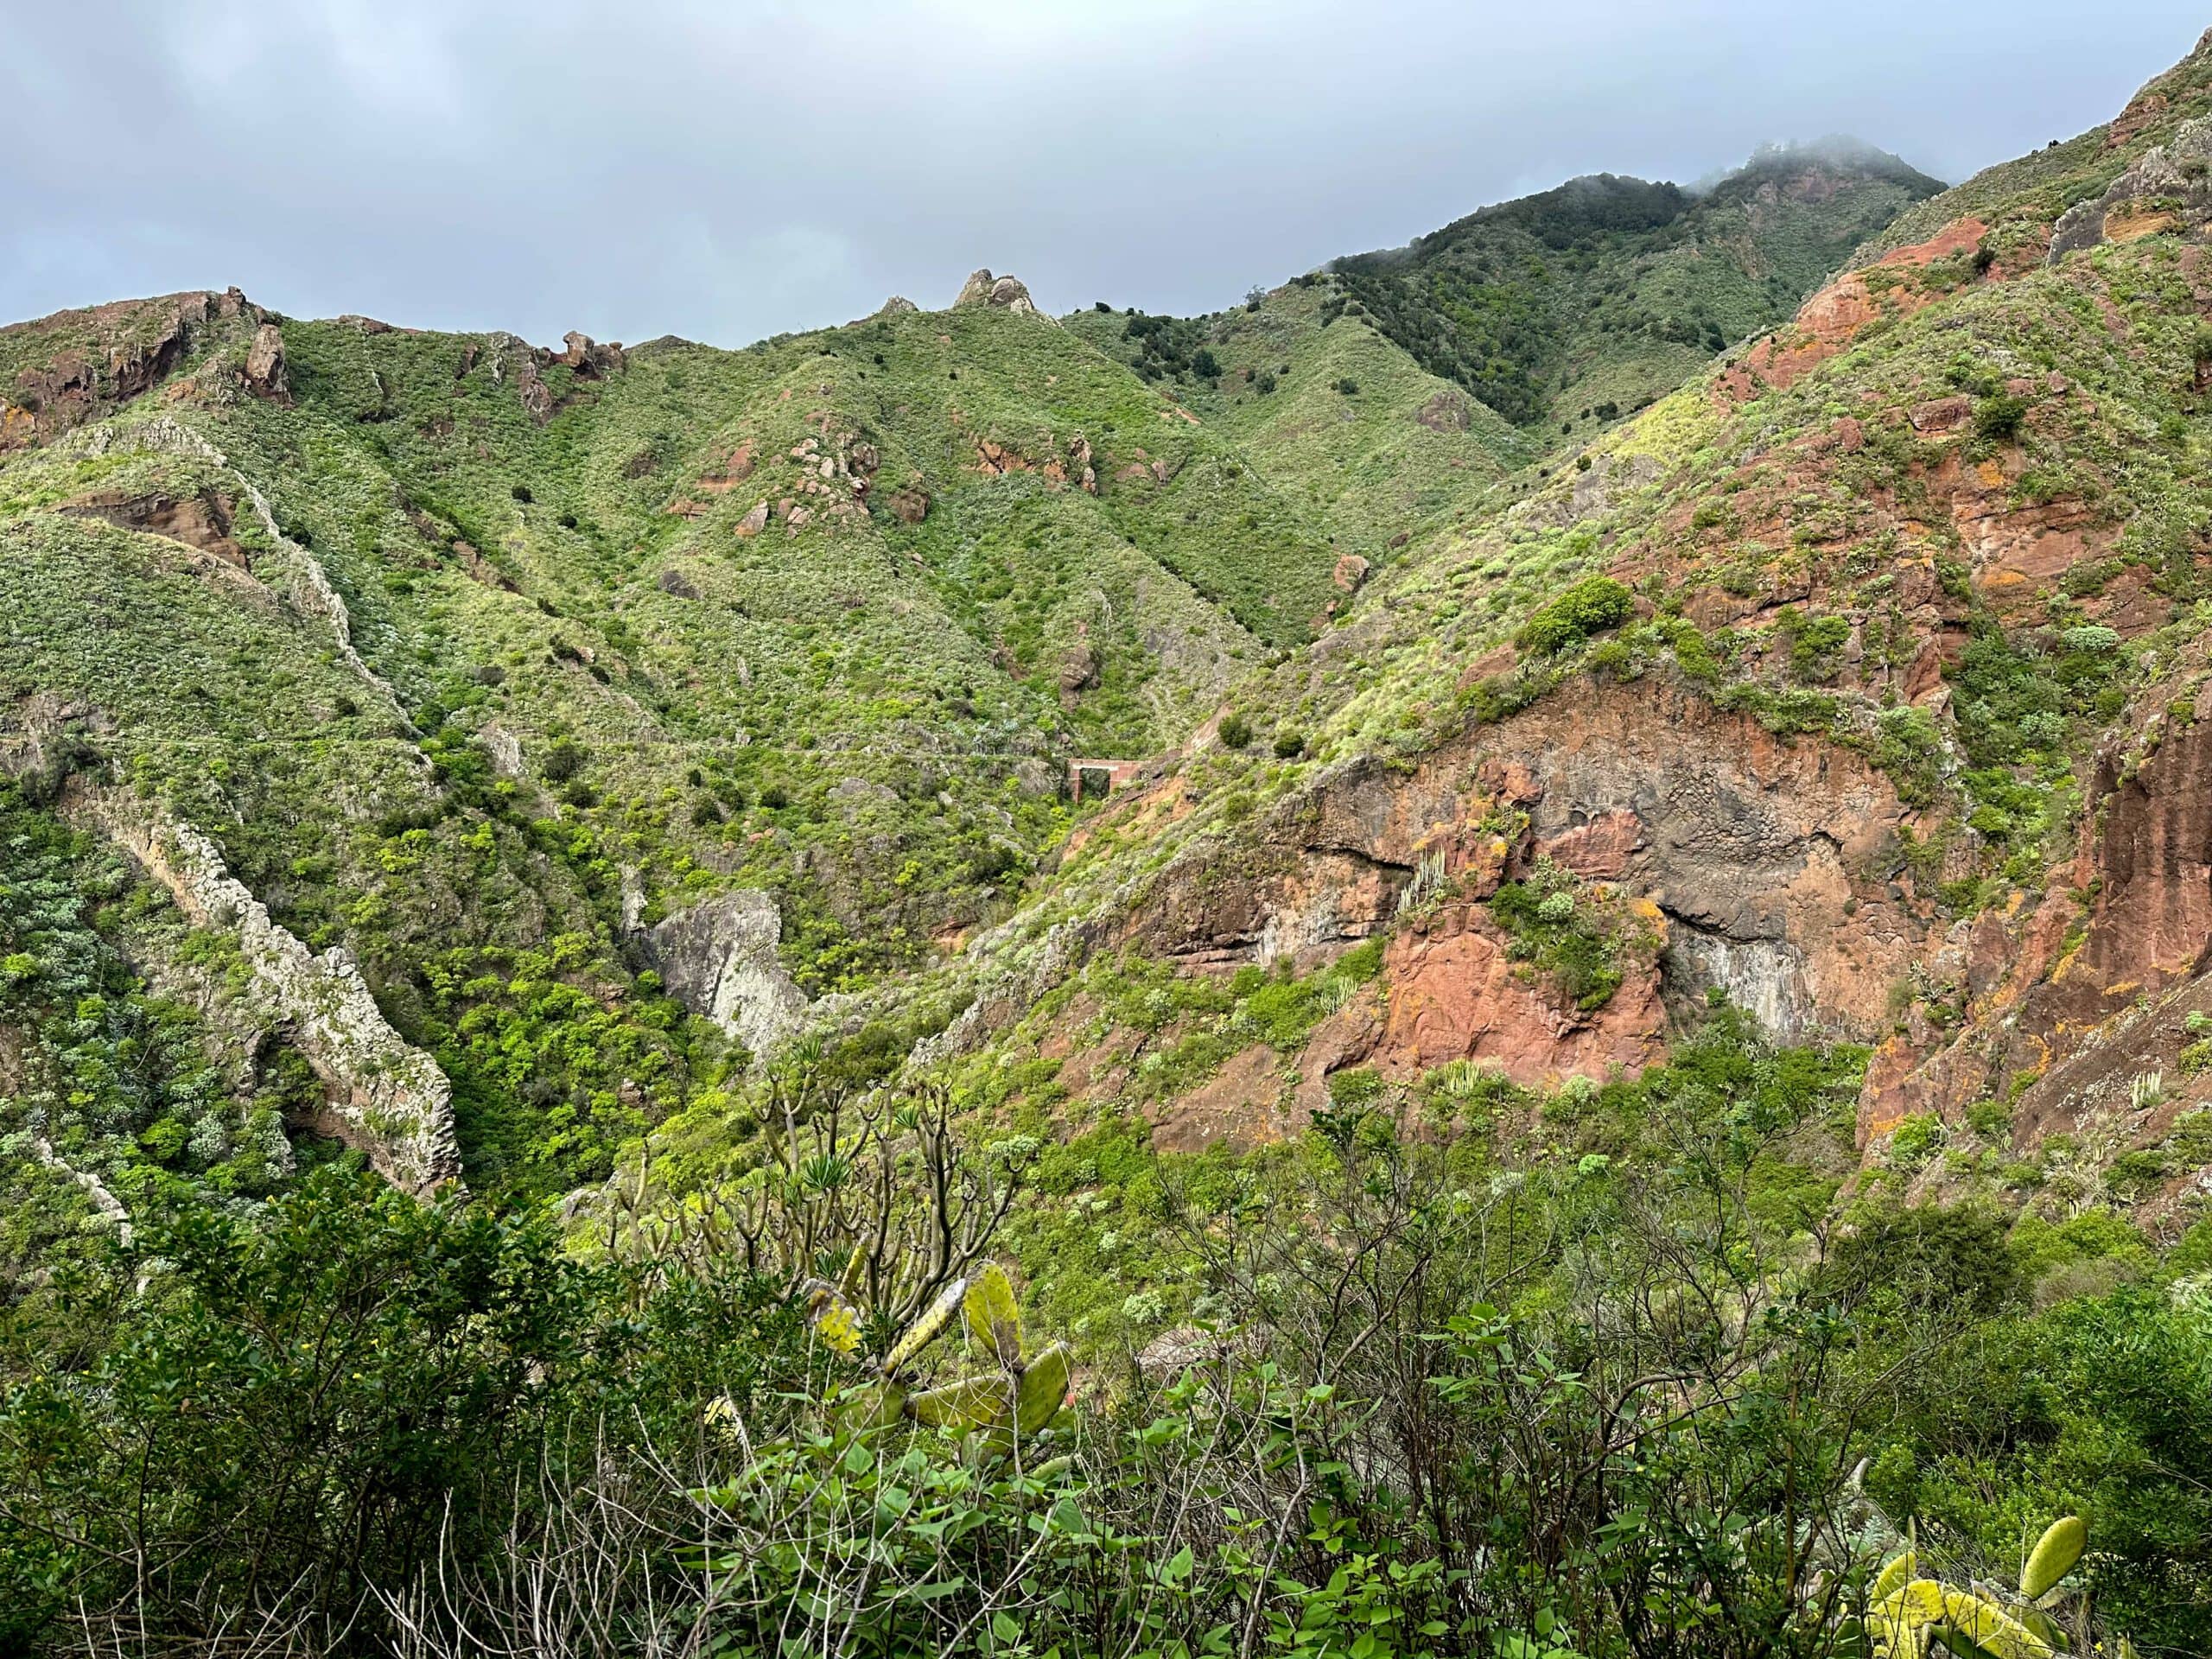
(727, 171)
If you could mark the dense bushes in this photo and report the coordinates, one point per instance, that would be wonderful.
(1456, 1395)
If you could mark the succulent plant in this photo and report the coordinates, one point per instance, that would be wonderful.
(1019, 1397)
(1910, 1617)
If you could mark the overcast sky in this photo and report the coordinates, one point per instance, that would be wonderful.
(729, 170)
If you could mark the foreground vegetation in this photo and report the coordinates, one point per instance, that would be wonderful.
(1449, 1384)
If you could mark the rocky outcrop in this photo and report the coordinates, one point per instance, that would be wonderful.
(1014, 969)
(113, 353)
(2169, 188)
(1456, 993)
(382, 1096)
(1078, 669)
(97, 1193)
(265, 364)
(720, 960)
(1767, 868)
(1449, 410)
(1073, 462)
(2054, 987)
(588, 359)
(305, 582)
(1006, 293)
(1831, 319)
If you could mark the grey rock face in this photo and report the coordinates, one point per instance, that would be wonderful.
(385, 1097)
(2170, 186)
(719, 960)
(264, 362)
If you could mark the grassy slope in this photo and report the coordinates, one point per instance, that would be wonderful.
(590, 691)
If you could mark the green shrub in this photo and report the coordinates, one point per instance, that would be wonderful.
(1566, 939)
(1915, 1141)
(1591, 606)
(1998, 417)
(1235, 731)
(563, 760)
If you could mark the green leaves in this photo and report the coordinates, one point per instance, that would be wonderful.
(1591, 605)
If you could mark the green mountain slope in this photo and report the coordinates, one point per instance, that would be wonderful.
(1859, 683)
(1604, 293)
(531, 647)
(479, 662)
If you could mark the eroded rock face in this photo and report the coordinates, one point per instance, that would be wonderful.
(2055, 988)
(1761, 868)
(384, 1096)
(590, 360)
(1828, 322)
(2167, 189)
(137, 343)
(202, 522)
(265, 364)
(720, 960)
(1457, 996)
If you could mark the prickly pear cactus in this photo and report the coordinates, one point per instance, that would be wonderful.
(1017, 1399)
(1912, 1618)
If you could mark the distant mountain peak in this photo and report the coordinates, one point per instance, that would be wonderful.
(1834, 153)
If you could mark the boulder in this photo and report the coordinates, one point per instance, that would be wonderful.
(588, 357)
(1078, 669)
(719, 959)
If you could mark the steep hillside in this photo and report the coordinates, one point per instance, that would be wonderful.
(1569, 306)
(1337, 416)
(1853, 684)
(1623, 1067)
